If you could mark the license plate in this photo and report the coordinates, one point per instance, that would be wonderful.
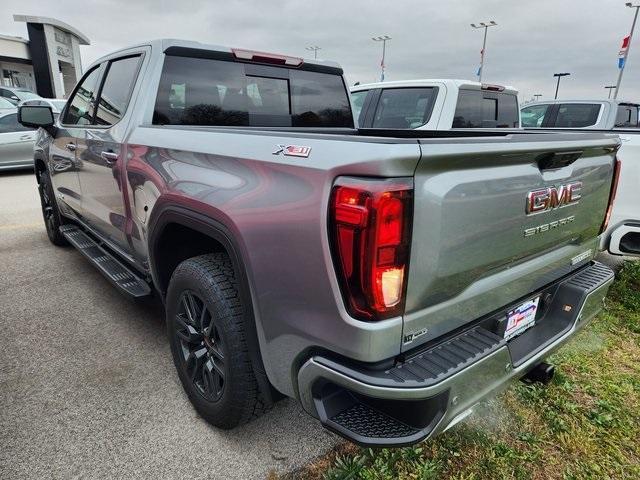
(521, 318)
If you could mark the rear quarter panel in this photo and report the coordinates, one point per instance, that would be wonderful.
(276, 208)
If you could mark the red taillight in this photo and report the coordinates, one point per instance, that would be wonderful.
(370, 228)
(612, 194)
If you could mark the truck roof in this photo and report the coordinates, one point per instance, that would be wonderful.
(431, 82)
(162, 44)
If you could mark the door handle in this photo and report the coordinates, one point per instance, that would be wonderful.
(26, 137)
(109, 157)
(71, 147)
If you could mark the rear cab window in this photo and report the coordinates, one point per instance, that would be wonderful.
(627, 116)
(486, 109)
(577, 115)
(212, 92)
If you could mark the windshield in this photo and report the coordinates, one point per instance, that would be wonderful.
(357, 101)
(6, 103)
(58, 104)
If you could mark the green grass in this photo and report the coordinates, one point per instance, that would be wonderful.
(585, 425)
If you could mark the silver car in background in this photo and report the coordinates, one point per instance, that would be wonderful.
(16, 142)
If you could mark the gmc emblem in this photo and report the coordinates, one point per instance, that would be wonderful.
(550, 198)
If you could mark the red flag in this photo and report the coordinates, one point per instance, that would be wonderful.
(625, 42)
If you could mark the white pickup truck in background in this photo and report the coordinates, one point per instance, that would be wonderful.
(623, 235)
(430, 104)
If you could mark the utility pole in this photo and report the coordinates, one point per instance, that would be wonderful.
(383, 39)
(314, 49)
(626, 52)
(484, 44)
(559, 75)
(610, 87)
(537, 96)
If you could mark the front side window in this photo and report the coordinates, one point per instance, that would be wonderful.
(404, 107)
(116, 90)
(81, 105)
(534, 115)
(486, 109)
(577, 115)
(199, 91)
(9, 124)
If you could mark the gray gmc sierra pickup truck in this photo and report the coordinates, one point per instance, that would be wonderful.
(387, 279)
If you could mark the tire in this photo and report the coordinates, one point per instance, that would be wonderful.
(205, 345)
(50, 212)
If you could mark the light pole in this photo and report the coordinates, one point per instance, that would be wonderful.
(314, 49)
(537, 96)
(383, 39)
(559, 75)
(626, 52)
(610, 87)
(484, 44)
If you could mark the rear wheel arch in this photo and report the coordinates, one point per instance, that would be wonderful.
(168, 224)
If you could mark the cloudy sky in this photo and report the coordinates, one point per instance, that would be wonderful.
(430, 39)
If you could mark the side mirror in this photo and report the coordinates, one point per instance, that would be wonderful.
(35, 116)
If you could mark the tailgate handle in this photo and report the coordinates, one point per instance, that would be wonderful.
(553, 160)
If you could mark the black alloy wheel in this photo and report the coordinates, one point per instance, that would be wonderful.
(201, 345)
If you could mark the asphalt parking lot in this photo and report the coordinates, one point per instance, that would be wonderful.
(87, 385)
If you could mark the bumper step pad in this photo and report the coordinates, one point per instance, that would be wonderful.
(367, 422)
(119, 275)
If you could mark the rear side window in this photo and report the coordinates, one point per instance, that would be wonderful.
(81, 105)
(577, 115)
(627, 116)
(116, 90)
(483, 109)
(534, 115)
(404, 107)
(200, 91)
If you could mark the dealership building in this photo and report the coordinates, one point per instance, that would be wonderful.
(48, 62)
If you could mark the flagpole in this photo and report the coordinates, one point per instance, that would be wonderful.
(383, 39)
(626, 53)
(484, 44)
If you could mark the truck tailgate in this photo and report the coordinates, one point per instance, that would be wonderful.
(490, 228)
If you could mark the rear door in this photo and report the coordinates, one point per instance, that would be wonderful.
(99, 150)
(16, 142)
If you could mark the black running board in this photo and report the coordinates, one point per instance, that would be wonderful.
(117, 273)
